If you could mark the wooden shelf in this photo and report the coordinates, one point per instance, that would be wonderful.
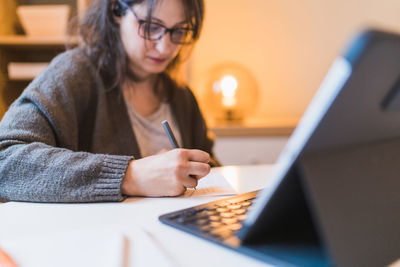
(25, 49)
(255, 127)
(13, 41)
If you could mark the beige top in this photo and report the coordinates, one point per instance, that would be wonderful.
(149, 132)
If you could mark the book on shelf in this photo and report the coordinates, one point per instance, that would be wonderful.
(25, 70)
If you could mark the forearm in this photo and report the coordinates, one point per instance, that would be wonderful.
(37, 172)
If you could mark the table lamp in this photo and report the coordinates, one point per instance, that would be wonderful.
(231, 93)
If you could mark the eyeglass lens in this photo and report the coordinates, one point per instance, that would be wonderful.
(156, 32)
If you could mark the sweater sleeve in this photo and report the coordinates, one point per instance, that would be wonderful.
(39, 156)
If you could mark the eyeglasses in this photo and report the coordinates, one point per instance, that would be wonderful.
(154, 31)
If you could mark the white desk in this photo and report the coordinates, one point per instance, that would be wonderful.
(31, 221)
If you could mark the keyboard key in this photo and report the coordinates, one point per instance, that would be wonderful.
(222, 209)
(235, 226)
(215, 224)
(229, 220)
(174, 217)
(222, 204)
(202, 222)
(232, 240)
(180, 220)
(234, 207)
(241, 217)
(240, 211)
(246, 203)
(211, 212)
(222, 232)
(227, 214)
(214, 218)
(206, 228)
(203, 215)
(189, 213)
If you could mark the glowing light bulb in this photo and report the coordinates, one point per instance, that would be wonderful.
(230, 93)
(228, 86)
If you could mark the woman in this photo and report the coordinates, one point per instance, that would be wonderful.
(88, 128)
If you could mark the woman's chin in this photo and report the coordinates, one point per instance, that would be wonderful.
(148, 71)
(156, 70)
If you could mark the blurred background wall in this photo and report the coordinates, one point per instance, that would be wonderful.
(288, 45)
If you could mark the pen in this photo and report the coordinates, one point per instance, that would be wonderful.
(170, 134)
(171, 137)
(6, 260)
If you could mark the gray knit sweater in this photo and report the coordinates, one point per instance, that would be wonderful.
(67, 139)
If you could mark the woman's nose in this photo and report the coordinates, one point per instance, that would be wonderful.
(164, 45)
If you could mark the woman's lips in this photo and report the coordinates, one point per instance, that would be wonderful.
(157, 60)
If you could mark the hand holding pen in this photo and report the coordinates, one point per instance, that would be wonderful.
(165, 174)
(172, 139)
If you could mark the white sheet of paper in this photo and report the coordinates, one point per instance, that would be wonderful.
(214, 184)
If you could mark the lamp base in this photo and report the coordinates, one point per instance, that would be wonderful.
(230, 117)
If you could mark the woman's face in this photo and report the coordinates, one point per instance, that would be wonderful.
(151, 57)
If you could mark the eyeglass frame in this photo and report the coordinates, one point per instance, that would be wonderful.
(166, 30)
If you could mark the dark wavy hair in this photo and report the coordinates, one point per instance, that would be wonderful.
(101, 38)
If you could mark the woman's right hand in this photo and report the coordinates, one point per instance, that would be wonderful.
(165, 174)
